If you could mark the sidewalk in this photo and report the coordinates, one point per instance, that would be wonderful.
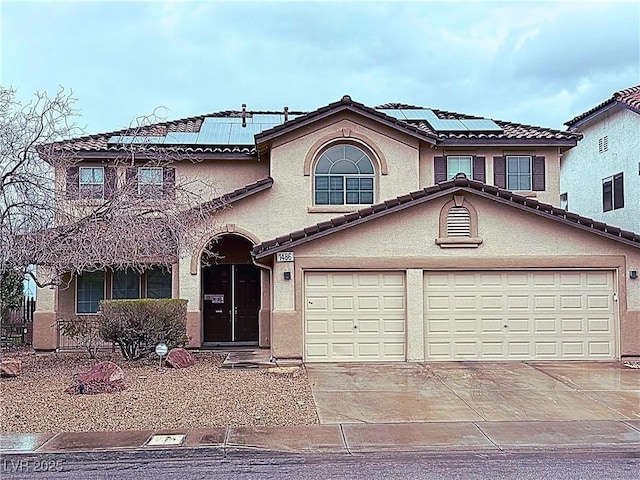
(348, 439)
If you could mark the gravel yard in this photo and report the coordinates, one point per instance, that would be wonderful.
(197, 397)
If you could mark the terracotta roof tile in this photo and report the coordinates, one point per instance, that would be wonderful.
(627, 98)
(405, 201)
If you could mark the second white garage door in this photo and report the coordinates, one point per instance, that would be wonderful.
(354, 316)
(519, 315)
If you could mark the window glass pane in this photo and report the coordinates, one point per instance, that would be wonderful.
(150, 176)
(335, 183)
(90, 290)
(322, 198)
(512, 164)
(457, 165)
(323, 165)
(159, 283)
(365, 165)
(336, 198)
(126, 284)
(91, 175)
(525, 165)
(512, 182)
(353, 183)
(525, 182)
(366, 197)
(353, 198)
(366, 183)
(344, 166)
(334, 153)
(322, 183)
(352, 153)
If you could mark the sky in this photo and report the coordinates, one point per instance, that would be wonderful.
(539, 63)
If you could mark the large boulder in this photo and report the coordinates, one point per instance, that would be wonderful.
(103, 377)
(180, 358)
(10, 367)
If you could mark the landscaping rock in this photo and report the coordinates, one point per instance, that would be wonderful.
(10, 367)
(103, 377)
(180, 358)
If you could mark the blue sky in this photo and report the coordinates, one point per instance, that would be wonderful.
(539, 63)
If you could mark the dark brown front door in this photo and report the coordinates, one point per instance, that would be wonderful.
(231, 302)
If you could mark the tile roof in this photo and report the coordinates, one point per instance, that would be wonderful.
(234, 196)
(628, 98)
(342, 222)
(512, 132)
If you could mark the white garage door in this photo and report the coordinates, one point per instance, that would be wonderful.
(355, 317)
(518, 315)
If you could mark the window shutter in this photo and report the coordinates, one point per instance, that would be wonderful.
(478, 169)
(169, 182)
(500, 172)
(607, 200)
(618, 191)
(538, 181)
(72, 186)
(458, 222)
(440, 169)
(109, 181)
(132, 181)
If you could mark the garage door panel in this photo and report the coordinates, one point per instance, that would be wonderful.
(533, 315)
(365, 316)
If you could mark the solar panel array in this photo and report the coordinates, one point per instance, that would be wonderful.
(442, 124)
(213, 131)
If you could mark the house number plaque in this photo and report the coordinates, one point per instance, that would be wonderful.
(284, 257)
(214, 298)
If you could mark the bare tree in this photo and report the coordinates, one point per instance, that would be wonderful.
(49, 219)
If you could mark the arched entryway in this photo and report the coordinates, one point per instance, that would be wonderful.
(230, 293)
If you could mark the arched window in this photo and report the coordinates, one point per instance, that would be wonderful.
(344, 175)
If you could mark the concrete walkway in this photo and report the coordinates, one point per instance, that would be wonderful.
(462, 406)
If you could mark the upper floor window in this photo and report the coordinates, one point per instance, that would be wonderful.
(150, 182)
(457, 165)
(91, 182)
(344, 175)
(519, 172)
(613, 192)
(446, 168)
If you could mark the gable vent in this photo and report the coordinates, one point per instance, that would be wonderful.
(458, 222)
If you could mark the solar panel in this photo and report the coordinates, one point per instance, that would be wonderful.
(481, 125)
(213, 120)
(245, 135)
(393, 112)
(214, 134)
(181, 138)
(136, 139)
(273, 118)
(416, 113)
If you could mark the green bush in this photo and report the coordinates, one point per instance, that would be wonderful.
(137, 326)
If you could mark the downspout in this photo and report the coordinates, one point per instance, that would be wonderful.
(270, 270)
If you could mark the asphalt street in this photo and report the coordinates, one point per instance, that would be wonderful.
(522, 466)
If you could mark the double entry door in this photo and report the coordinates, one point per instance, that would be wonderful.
(231, 304)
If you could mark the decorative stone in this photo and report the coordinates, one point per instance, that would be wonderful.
(103, 377)
(180, 358)
(10, 367)
(102, 372)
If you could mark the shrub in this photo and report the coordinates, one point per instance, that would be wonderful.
(85, 331)
(137, 326)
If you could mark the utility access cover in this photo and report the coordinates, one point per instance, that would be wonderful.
(165, 440)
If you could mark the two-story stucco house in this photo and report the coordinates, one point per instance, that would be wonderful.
(392, 233)
(600, 177)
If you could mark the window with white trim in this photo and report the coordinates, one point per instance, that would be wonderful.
(150, 182)
(91, 182)
(344, 175)
(518, 173)
(457, 165)
(89, 291)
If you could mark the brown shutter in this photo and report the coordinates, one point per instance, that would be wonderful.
(109, 181)
(478, 169)
(73, 182)
(538, 182)
(440, 169)
(500, 172)
(132, 181)
(169, 182)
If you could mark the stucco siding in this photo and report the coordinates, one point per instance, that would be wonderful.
(584, 168)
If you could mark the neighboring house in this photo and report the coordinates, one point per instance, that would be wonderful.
(347, 239)
(600, 177)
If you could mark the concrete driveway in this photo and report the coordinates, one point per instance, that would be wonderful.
(474, 391)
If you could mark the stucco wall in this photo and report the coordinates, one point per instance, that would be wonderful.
(584, 168)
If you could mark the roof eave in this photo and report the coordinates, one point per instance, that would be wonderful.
(504, 142)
